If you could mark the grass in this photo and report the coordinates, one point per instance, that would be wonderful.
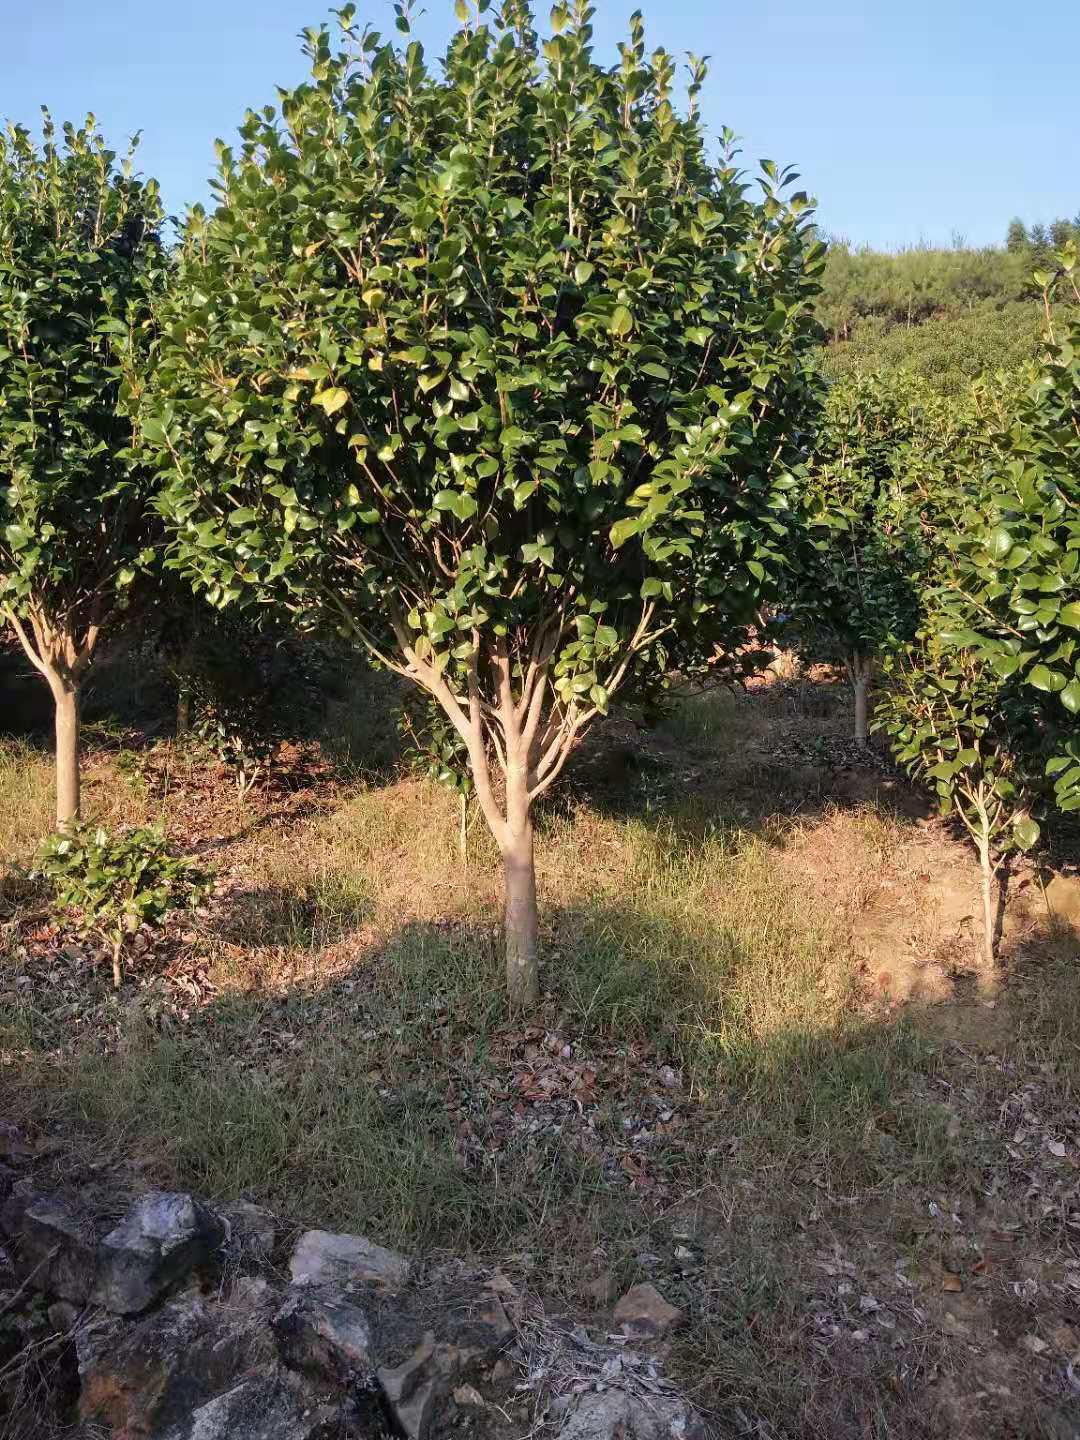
(350, 1063)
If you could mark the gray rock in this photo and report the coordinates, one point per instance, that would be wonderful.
(479, 1330)
(323, 1258)
(56, 1249)
(414, 1388)
(18, 1195)
(161, 1239)
(617, 1415)
(8, 1278)
(327, 1335)
(252, 1231)
(147, 1378)
(259, 1409)
(62, 1315)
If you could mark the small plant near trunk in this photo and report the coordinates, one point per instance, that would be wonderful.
(239, 733)
(435, 749)
(115, 884)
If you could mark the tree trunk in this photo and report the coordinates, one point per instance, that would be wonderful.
(860, 680)
(522, 973)
(67, 701)
(986, 872)
(183, 708)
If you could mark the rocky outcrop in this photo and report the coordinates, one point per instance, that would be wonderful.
(180, 1328)
(160, 1241)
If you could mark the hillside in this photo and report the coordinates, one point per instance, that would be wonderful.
(947, 314)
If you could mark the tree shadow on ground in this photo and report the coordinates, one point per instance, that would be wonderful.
(701, 1106)
(757, 759)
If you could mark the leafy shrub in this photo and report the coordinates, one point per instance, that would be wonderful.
(117, 883)
(955, 723)
(1012, 589)
(432, 746)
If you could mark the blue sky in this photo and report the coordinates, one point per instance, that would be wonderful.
(908, 119)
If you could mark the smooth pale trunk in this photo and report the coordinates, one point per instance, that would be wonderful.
(986, 875)
(521, 923)
(68, 797)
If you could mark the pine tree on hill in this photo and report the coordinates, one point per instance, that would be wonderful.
(1016, 238)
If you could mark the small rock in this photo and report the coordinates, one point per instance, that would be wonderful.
(326, 1335)
(480, 1330)
(259, 1409)
(644, 1312)
(1034, 1345)
(62, 1315)
(414, 1388)
(57, 1243)
(161, 1239)
(468, 1396)
(322, 1258)
(252, 1231)
(615, 1415)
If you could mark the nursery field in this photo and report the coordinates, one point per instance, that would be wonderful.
(769, 1071)
(539, 768)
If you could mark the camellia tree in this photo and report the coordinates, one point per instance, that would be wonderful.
(79, 258)
(853, 590)
(491, 366)
(1014, 587)
(954, 722)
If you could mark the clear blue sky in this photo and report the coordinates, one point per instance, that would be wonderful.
(908, 119)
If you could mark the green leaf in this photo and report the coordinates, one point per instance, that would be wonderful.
(1043, 678)
(622, 530)
(331, 400)
(622, 322)
(1026, 832)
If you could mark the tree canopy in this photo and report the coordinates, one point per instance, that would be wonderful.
(79, 260)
